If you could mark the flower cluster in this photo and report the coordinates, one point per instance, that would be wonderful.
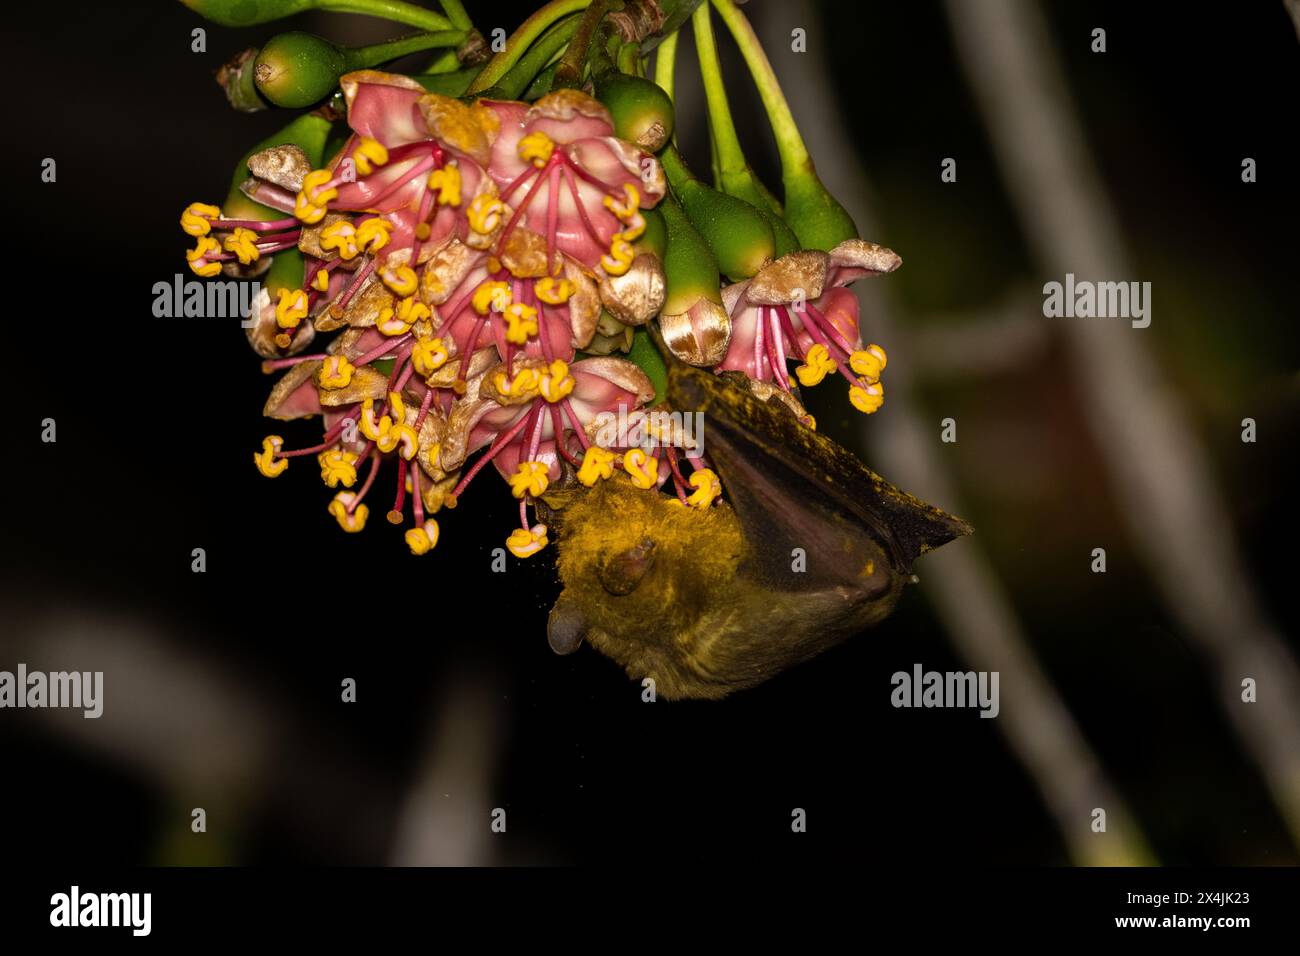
(466, 252)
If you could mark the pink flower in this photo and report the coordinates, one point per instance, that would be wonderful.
(797, 308)
(559, 164)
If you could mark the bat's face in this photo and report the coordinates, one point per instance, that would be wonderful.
(812, 548)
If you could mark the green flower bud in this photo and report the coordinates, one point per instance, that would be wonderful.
(643, 113)
(745, 185)
(694, 325)
(737, 232)
(813, 213)
(298, 69)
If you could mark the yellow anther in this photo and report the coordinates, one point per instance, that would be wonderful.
(869, 362)
(388, 323)
(485, 213)
(339, 509)
(530, 479)
(194, 220)
(243, 243)
(707, 487)
(446, 183)
(521, 322)
(313, 198)
(374, 234)
(312, 185)
(635, 227)
(397, 405)
(342, 236)
(491, 295)
(369, 427)
(810, 422)
(291, 309)
(401, 280)
(867, 397)
(336, 372)
(817, 364)
(597, 463)
(536, 148)
(557, 384)
(306, 212)
(619, 258)
(628, 207)
(402, 437)
(338, 467)
(641, 468)
(525, 542)
(197, 257)
(369, 154)
(428, 356)
(423, 539)
(553, 291)
(266, 461)
(525, 380)
(412, 310)
(321, 281)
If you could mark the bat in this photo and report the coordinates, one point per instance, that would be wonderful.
(810, 548)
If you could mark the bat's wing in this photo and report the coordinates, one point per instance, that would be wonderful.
(794, 488)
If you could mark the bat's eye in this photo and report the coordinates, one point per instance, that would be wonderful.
(622, 572)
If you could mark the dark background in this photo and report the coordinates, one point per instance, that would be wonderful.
(156, 420)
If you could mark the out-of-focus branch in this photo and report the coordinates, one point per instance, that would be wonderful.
(958, 578)
(1159, 472)
(445, 819)
(197, 729)
(985, 343)
(1293, 8)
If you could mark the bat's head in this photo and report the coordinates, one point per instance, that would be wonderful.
(810, 547)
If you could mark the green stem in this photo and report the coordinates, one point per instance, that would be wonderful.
(728, 155)
(574, 61)
(367, 56)
(394, 10)
(445, 62)
(455, 11)
(629, 57)
(537, 58)
(666, 64)
(794, 154)
(521, 39)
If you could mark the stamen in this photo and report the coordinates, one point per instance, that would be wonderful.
(370, 480)
(493, 450)
(395, 513)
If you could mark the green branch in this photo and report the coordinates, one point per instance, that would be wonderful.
(522, 39)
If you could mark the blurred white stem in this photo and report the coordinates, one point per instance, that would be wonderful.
(1159, 473)
(958, 578)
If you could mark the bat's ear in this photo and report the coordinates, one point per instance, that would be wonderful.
(794, 488)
